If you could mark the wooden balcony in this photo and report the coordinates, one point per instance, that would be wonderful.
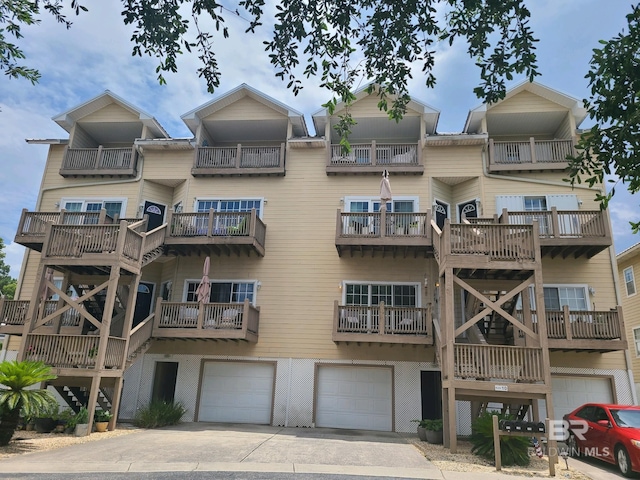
(498, 363)
(567, 232)
(403, 325)
(406, 234)
(32, 227)
(239, 160)
(372, 158)
(534, 155)
(592, 330)
(74, 351)
(485, 251)
(216, 233)
(14, 312)
(90, 162)
(223, 321)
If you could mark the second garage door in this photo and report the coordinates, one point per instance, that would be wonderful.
(236, 392)
(571, 392)
(354, 397)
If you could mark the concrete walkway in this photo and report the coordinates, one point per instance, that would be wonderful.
(246, 448)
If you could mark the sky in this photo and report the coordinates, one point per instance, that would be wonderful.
(95, 55)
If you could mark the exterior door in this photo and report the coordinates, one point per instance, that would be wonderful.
(155, 211)
(441, 210)
(467, 210)
(144, 300)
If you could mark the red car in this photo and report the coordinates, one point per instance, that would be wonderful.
(608, 432)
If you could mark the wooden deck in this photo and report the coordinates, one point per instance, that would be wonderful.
(406, 234)
(372, 158)
(14, 312)
(239, 160)
(534, 155)
(401, 325)
(584, 330)
(90, 162)
(498, 362)
(223, 321)
(216, 233)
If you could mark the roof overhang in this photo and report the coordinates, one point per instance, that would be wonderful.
(459, 139)
(165, 144)
(629, 253)
(47, 141)
(307, 142)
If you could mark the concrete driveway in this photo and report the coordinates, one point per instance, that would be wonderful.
(216, 447)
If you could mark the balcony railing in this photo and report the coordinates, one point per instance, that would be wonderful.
(99, 161)
(372, 158)
(409, 325)
(495, 242)
(206, 320)
(531, 155)
(13, 314)
(380, 230)
(239, 160)
(582, 329)
(222, 230)
(498, 362)
(73, 351)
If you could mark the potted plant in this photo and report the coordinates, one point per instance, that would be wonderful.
(47, 419)
(422, 431)
(433, 430)
(81, 421)
(101, 419)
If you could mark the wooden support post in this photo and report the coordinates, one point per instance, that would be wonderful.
(105, 325)
(252, 223)
(210, 222)
(115, 404)
(555, 223)
(381, 317)
(373, 156)
(238, 155)
(383, 221)
(532, 143)
(496, 443)
(93, 399)
(130, 308)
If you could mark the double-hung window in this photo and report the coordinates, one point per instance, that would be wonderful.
(629, 281)
(398, 211)
(636, 340)
(368, 296)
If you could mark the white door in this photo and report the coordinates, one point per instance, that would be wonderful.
(354, 397)
(236, 392)
(571, 392)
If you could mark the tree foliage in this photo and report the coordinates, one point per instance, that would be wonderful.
(16, 397)
(612, 145)
(342, 42)
(7, 283)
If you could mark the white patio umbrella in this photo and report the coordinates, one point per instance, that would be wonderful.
(204, 287)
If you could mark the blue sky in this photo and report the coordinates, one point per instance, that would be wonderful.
(95, 55)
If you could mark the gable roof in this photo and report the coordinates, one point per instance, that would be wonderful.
(194, 117)
(475, 116)
(67, 119)
(629, 252)
(428, 113)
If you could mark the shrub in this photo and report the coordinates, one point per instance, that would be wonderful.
(102, 416)
(159, 414)
(513, 450)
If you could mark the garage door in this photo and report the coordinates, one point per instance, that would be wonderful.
(236, 392)
(354, 397)
(571, 392)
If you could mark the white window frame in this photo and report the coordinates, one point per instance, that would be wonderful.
(87, 200)
(582, 286)
(373, 198)
(633, 281)
(255, 283)
(636, 340)
(230, 199)
(417, 286)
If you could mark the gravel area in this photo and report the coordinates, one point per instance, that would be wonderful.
(30, 441)
(465, 461)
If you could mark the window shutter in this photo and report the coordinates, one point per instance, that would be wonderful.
(513, 203)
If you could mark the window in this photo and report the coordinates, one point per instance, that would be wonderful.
(114, 207)
(223, 292)
(557, 296)
(535, 204)
(393, 295)
(242, 205)
(636, 339)
(629, 281)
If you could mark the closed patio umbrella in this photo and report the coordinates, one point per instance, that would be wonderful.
(204, 287)
(385, 190)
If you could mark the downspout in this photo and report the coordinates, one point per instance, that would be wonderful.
(614, 263)
(88, 184)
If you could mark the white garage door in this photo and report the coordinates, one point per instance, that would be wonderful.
(236, 392)
(571, 392)
(354, 397)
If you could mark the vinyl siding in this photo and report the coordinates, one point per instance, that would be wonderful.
(631, 308)
(112, 113)
(525, 102)
(81, 139)
(244, 109)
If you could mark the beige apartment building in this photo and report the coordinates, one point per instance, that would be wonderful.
(484, 281)
(628, 269)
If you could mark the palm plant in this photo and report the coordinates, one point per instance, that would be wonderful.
(15, 378)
